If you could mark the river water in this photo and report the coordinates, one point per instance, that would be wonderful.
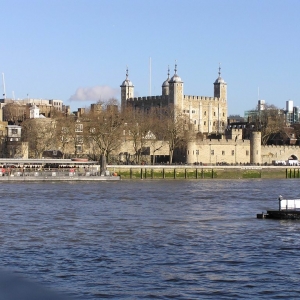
(167, 239)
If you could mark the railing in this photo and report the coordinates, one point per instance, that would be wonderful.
(48, 173)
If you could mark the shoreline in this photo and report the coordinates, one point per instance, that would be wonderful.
(203, 172)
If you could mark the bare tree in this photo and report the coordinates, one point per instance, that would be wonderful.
(104, 130)
(13, 112)
(175, 129)
(139, 126)
(65, 134)
(40, 135)
(269, 121)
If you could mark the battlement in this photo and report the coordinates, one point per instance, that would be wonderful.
(148, 98)
(200, 98)
(213, 142)
(283, 147)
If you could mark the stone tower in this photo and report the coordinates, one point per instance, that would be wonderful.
(220, 87)
(165, 85)
(176, 91)
(127, 91)
(255, 147)
(34, 112)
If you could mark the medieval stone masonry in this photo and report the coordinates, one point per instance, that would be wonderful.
(207, 114)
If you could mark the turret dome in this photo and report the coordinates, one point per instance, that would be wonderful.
(166, 82)
(175, 77)
(220, 79)
(127, 81)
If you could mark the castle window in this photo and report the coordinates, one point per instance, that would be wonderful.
(204, 122)
(184, 110)
(212, 152)
(232, 152)
(247, 152)
(193, 111)
(78, 148)
(79, 139)
(78, 127)
(214, 113)
(195, 122)
(223, 114)
(205, 113)
(223, 152)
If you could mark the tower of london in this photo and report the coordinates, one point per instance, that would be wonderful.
(207, 114)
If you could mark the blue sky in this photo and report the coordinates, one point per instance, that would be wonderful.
(78, 50)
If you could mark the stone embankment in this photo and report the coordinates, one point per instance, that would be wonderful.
(204, 172)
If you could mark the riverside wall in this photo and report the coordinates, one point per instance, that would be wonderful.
(204, 172)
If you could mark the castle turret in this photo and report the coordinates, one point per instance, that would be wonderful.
(255, 147)
(127, 91)
(165, 85)
(176, 90)
(34, 112)
(220, 87)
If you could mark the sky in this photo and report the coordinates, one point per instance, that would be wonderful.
(78, 50)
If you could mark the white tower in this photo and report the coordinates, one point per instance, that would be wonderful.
(34, 112)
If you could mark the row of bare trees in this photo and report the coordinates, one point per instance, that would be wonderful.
(97, 134)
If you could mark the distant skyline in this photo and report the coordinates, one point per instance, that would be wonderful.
(77, 50)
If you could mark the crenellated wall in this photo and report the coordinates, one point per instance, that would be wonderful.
(237, 151)
(206, 114)
(273, 152)
(213, 151)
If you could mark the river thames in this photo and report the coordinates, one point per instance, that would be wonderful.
(161, 239)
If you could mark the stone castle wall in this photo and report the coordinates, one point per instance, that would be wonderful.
(238, 151)
(273, 152)
(219, 151)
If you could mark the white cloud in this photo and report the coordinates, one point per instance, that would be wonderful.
(95, 93)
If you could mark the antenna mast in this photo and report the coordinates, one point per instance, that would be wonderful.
(3, 83)
(150, 76)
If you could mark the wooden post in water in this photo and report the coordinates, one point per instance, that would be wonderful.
(185, 173)
(130, 173)
(174, 173)
(163, 172)
(212, 173)
(196, 173)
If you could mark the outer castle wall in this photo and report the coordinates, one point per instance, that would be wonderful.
(273, 152)
(238, 151)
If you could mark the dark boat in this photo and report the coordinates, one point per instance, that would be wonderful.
(288, 209)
